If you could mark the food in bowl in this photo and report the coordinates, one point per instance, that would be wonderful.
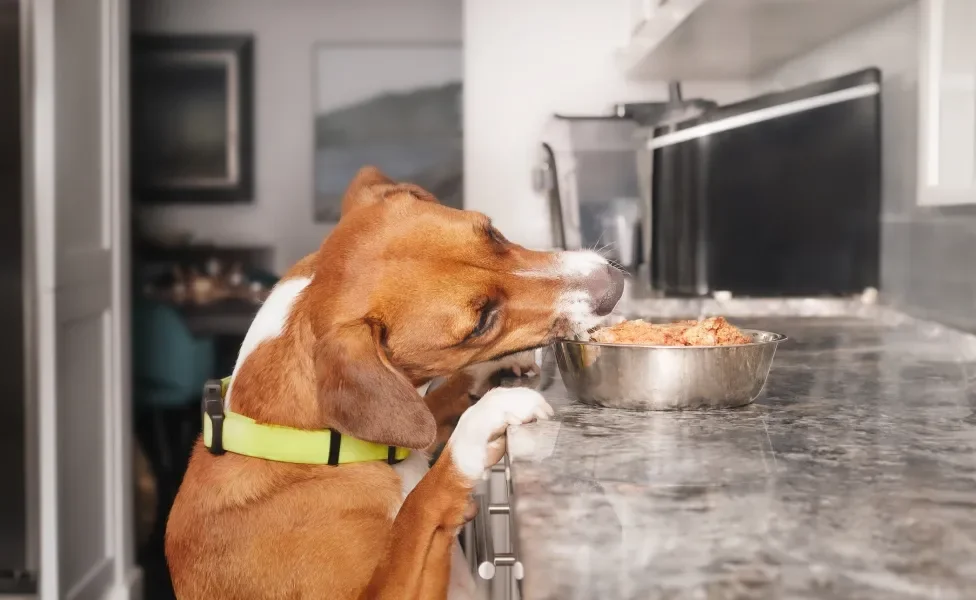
(713, 331)
(642, 366)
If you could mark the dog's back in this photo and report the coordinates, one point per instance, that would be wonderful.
(240, 529)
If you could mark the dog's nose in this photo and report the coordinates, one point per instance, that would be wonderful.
(605, 288)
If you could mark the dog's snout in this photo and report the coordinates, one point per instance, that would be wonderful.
(605, 286)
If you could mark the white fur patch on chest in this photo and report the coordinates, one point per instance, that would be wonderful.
(269, 322)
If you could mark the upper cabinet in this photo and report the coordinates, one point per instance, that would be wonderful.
(736, 39)
(947, 103)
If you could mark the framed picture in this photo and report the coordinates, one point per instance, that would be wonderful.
(395, 106)
(192, 118)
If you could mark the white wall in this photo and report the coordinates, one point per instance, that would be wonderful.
(525, 60)
(285, 33)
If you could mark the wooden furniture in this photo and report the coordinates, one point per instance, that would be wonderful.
(216, 290)
(222, 318)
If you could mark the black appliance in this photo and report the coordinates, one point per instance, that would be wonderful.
(778, 195)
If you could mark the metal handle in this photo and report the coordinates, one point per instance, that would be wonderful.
(484, 549)
(499, 509)
(509, 560)
(542, 177)
(486, 560)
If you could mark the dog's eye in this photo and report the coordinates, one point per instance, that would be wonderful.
(486, 320)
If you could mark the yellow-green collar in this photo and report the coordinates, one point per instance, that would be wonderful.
(242, 435)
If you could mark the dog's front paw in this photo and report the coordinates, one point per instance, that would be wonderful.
(478, 441)
(488, 375)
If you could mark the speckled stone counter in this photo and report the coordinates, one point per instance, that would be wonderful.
(853, 477)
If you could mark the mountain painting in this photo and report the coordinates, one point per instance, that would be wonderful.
(394, 106)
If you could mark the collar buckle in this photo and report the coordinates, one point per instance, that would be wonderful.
(213, 408)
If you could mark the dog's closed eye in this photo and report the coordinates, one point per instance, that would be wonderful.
(488, 315)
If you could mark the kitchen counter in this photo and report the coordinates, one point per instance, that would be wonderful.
(854, 476)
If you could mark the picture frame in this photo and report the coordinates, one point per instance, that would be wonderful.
(192, 118)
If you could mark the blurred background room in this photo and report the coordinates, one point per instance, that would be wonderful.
(164, 162)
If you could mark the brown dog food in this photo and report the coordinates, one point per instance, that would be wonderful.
(713, 331)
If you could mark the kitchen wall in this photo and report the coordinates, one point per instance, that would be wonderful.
(928, 254)
(525, 60)
(285, 33)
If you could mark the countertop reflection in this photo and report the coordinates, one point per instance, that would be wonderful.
(854, 476)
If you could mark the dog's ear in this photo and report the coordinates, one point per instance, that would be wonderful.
(363, 395)
(370, 185)
(365, 188)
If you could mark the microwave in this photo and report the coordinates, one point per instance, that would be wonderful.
(778, 195)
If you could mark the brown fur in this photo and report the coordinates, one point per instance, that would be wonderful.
(398, 288)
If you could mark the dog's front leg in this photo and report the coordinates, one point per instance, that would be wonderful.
(417, 559)
(488, 375)
(448, 401)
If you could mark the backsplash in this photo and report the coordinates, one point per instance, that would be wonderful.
(932, 253)
(928, 255)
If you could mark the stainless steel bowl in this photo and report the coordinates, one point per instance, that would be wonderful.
(667, 377)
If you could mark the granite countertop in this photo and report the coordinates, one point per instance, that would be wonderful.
(854, 476)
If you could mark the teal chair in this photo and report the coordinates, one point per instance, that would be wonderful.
(170, 365)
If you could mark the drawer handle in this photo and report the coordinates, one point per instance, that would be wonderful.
(509, 560)
(499, 509)
(484, 547)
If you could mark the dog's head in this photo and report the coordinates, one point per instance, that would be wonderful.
(406, 289)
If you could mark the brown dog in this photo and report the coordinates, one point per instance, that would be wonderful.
(402, 291)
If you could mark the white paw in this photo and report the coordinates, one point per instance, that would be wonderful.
(522, 364)
(478, 440)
